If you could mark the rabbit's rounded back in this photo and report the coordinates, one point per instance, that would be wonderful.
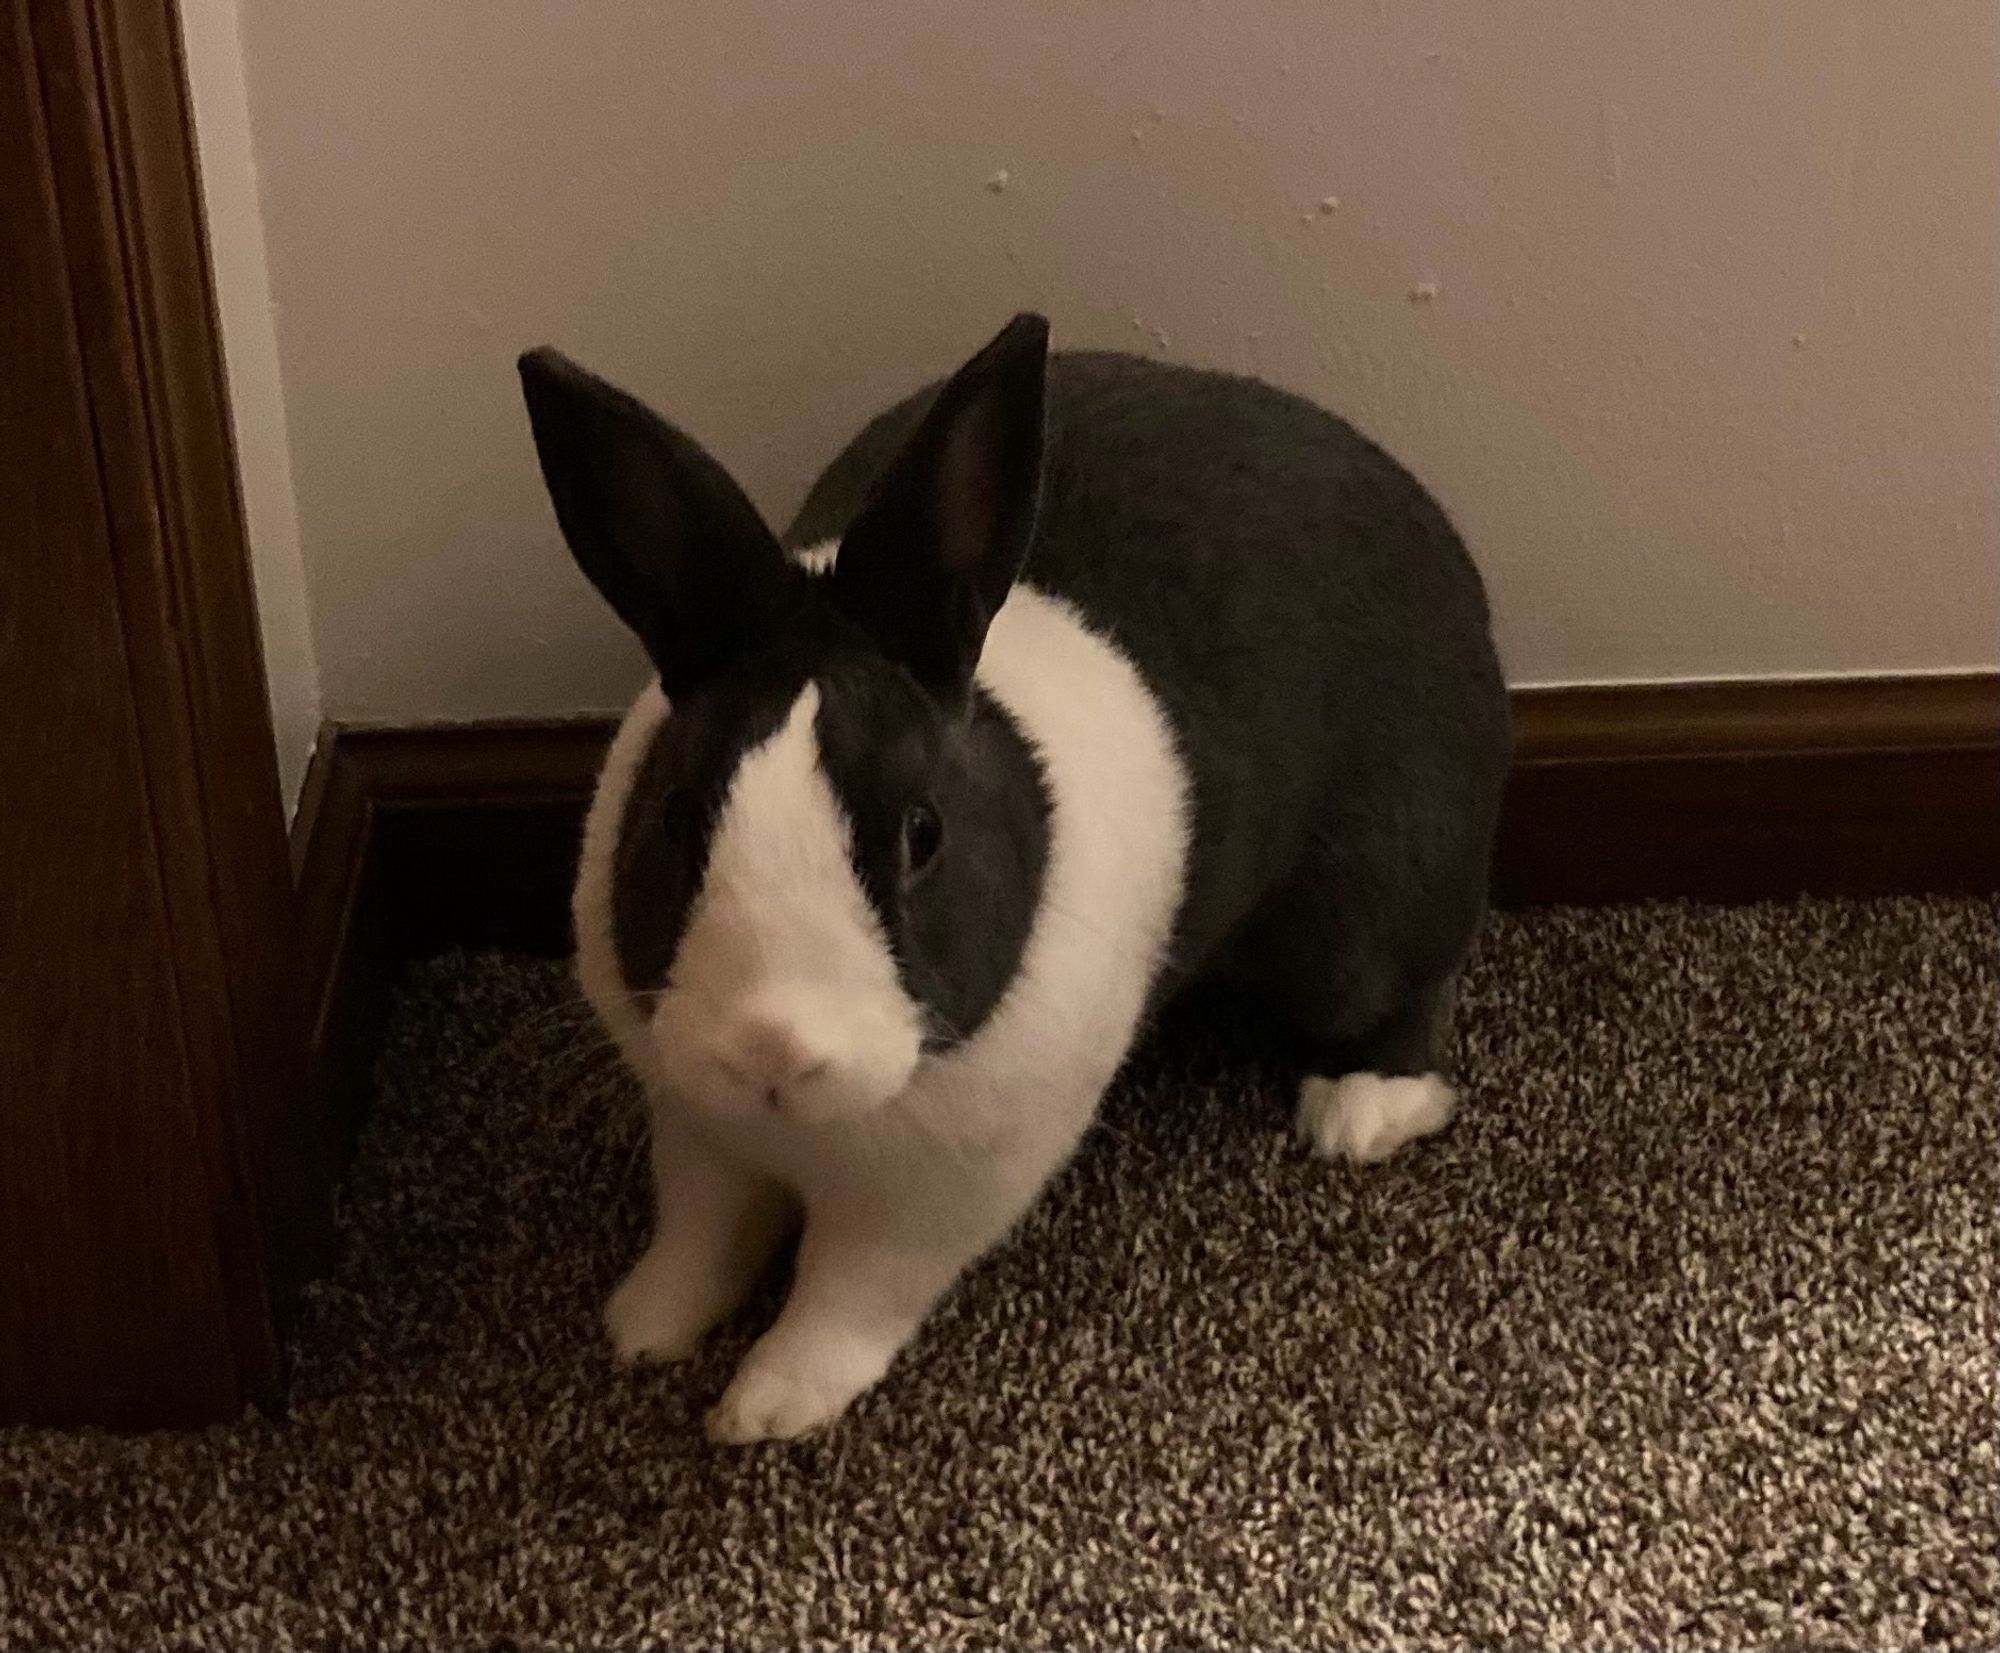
(1310, 622)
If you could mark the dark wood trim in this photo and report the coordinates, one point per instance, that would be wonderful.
(410, 841)
(1749, 791)
(141, 1257)
(452, 765)
(345, 971)
(1797, 717)
(422, 839)
(473, 829)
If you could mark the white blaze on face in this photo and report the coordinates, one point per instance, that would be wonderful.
(785, 997)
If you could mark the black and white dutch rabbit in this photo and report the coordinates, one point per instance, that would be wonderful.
(1080, 679)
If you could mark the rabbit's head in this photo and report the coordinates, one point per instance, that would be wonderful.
(829, 851)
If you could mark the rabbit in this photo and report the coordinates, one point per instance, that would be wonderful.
(1080, 680)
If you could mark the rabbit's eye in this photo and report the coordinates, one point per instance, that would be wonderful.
(923, 833)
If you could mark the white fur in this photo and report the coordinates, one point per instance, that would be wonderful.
(1364, 1117)
(900, 1197)
(590, 902)
(786, 1000)
(716, 1227)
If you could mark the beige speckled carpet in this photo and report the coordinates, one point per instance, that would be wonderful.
(1683, 1336)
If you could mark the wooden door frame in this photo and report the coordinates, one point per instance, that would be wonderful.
(103, 170)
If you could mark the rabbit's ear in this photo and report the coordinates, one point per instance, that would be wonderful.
(932, 554)
(657, 524)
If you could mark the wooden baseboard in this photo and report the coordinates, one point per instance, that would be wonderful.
(407, 842)
(1753, 791)
(413, 840)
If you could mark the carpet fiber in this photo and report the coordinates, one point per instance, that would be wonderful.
(1682, 1336)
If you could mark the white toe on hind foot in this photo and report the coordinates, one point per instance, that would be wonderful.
(1364, 1117)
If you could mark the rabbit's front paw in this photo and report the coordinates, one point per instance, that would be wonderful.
(657, 1314)
(780, 1398)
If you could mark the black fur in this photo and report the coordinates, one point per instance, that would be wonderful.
(898, 725)
(1300, 606)
(671, 811)
(660, 527)
(1320, 640)
(938, 544)
(959, 927)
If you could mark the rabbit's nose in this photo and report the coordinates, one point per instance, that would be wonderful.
(771, 1052)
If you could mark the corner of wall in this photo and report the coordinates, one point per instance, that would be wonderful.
(211, 41)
